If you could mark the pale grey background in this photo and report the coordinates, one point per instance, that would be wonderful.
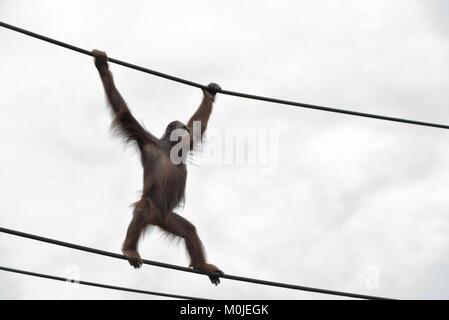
(349, 192)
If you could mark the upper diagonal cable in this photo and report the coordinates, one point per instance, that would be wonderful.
(227, 92)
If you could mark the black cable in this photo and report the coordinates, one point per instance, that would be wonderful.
(179, 268)
(98, 285)
(89, 53)
(227, 92)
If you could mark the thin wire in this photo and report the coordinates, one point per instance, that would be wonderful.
(98, 285)
(89, 53)
(184, 269)
(227, 92)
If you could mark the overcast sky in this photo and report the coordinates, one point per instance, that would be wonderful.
(352, 204)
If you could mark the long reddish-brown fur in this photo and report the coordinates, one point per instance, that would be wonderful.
(163, 181)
